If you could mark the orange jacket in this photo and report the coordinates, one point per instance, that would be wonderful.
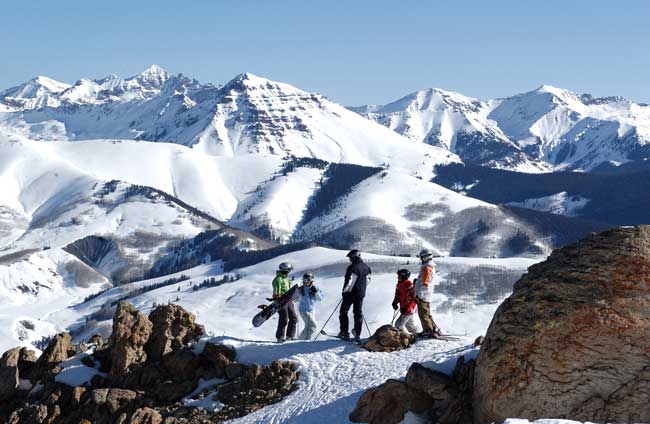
(424, 286)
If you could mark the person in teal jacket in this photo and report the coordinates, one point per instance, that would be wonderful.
(287, 318)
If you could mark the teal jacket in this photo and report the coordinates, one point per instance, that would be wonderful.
(281, 284)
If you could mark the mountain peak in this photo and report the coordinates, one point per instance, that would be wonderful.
(154, 76)
(247, 81)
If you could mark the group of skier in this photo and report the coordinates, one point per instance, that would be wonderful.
(410, 297)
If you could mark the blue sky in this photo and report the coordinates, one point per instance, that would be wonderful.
(354, 52)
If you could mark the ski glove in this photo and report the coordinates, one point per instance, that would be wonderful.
(402, 310)
(395, 307)
(313, 291)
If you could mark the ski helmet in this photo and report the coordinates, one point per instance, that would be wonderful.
(425, 255)
(285, 267)
(354, 254)
(403, 274)
(308, 278)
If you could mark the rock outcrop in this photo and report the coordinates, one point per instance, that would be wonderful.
(131, 331)
(437, 396)
(173, 328)
(572, 340)
(388, 339)
(152, 367)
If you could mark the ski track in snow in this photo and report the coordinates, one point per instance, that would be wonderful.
(334, 374)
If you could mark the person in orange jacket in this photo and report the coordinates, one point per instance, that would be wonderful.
(424, 294)
(405, 301)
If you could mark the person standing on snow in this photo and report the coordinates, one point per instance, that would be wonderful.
(310, 295)
(424, 293)
(286, 314)
(357, 277)
(405, 301)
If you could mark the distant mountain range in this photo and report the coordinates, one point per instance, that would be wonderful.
(543, 130)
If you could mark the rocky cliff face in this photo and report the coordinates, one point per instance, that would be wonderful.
(572, 340)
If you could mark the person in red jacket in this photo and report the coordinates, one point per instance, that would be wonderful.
(405, 301)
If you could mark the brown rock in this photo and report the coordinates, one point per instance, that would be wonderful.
(572, 340)
(131, 331)
(221, 356)
(388, 403)
(8, 382)
(145, 416)
(234, 370)
(181, 365)
(96, 339)
(58, 350)
(173, 329)
(113, 399)
(389, 339)
(437, 385)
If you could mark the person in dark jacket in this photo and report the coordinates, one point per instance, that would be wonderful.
(287, 318)
(357, 277)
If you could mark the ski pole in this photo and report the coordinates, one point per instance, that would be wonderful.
(367, 328)
(394, 316)
(328, 319)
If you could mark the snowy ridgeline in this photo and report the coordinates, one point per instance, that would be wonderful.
(548, 128)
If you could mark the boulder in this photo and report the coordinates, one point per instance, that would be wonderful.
(8, 382)
(389, 339)
(572, 340)
(220, 356)
(181, 365)
(173, 329)
(388, 403)
(145, 416)
(131, 331)
(58, 350)
(437, 385)
(114, 400)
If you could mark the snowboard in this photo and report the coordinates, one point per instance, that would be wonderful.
(270, 309)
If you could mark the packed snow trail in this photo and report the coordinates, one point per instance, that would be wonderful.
(334, 374)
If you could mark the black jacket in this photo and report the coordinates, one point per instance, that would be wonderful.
(357, 278)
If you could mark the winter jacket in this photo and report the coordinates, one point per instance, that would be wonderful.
(281, 284)
(308, 300)
(405, 296)
(357, 277)
(424, 283)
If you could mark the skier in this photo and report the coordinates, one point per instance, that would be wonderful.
(281, 285)
(357, 276)
(310, 295)
(405, 301)
(424, 292)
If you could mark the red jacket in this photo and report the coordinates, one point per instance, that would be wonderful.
(405, 296)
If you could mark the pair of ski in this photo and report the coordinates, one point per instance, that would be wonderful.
(345, 339)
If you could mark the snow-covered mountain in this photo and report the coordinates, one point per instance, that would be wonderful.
(248, 115)
(545, 129)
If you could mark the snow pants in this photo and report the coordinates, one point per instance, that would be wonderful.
(351, 299)
(424, 312)
(309, 321)
(406, 321)
(287, 314)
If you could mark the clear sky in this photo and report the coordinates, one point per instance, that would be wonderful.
(354, 52)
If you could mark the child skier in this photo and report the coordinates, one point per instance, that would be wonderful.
(310, 295)
(405, 301)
